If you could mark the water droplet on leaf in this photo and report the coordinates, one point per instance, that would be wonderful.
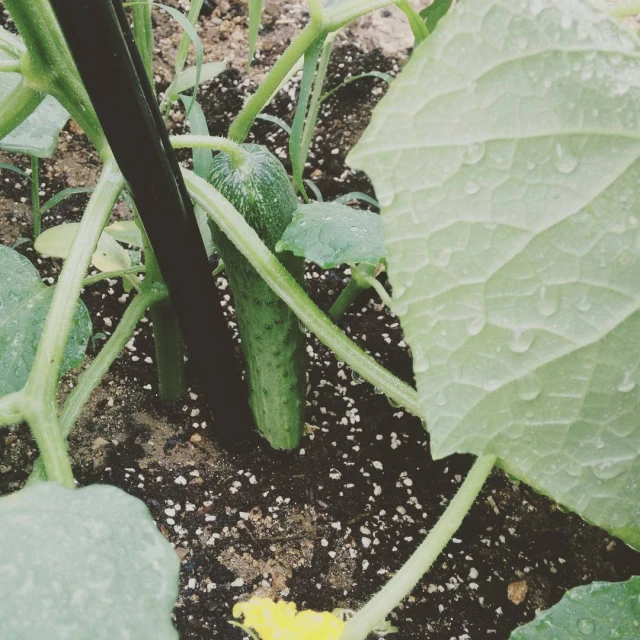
(627, 383)
(522, 341)
(549, 300)
(586, 626)
(471, 187)
(473, 153)
(529, 388)
(564, 159)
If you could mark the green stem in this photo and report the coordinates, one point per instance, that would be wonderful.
(49, 67)
(341, 13)
(44, 372)
(170, 352)
(143, 34)
(35, 197)
(239, 129)
(403, 582)
(234, 226)
(315, 100)
(40, 407)
(105, 275)
(373, 282)
(11, 409)
(93, 375)
(214, 143)
(625, 9)
(167, 337)
(347, 297)
(16, 107)
(417, 24)
(10, 66)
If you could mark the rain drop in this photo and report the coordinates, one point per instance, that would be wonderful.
(522, 341)
(564, 159)
(471, 187)
(566, 21)
(356, 377)
(473, 153)
(549, 300)
(442, 399)
(608, 470)
(627, 383)
(584, 304)
(492, 384)
(529, 388)
(475, 325)
(443, 259)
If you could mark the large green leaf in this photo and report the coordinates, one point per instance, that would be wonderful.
(506, 158)
(38, 134)
(87, 564)
(24, 303)
(331, 234)
(597, 611)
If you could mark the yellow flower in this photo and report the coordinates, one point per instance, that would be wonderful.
(280, 621)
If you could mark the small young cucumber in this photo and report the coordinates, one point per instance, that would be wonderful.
(257, 185)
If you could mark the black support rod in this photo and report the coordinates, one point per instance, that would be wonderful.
(109, 64)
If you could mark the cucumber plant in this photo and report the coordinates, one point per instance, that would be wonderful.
(505, 163)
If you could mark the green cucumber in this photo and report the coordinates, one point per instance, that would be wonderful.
(257, 185)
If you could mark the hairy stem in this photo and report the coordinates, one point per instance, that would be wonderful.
(44, 373)
(16, 107)
(315, 100)
(92, 377)
(347, 297)
(234, 226)
(417, 24)
(239, 129)
(167, 337)
(170, 352)
(40, 407)
(49, 67)
(341, 13)
(143, 34)
(403, 582)
(106, 275)
(215, 143)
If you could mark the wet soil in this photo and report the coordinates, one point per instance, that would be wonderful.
(325, 526)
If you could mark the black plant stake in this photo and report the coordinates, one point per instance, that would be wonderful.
(110, 66)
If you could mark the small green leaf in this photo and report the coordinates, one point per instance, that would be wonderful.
(24, 303)
(597, 611)
(125, 231)
(63, 195)
(434, 12)
(5, 166)
(56, 243)
(509, 194)
(380, 75)
(87, 564)
(38, 134)
(331, 234)
(186, 80)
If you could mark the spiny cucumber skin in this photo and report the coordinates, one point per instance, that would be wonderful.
(272, 341)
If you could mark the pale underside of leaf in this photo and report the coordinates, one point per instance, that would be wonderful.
(597, 611)
(85, 564)
(506, 158)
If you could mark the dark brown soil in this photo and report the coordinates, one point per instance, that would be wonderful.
(325, 526)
